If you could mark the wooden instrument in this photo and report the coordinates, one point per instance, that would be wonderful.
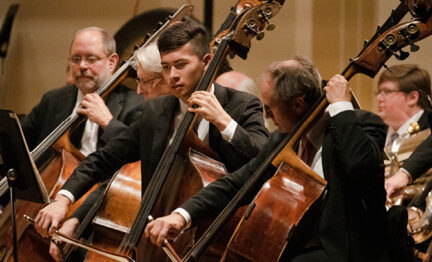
(369, 62)
(56, 158)
(126, 183)
(284, 157)
(178, 174)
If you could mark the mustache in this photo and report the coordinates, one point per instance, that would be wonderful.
(84, 75)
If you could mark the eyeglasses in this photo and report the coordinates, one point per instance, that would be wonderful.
(146, 82)
(386, 93)
(89, 60)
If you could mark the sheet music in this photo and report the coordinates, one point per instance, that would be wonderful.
(15, 154)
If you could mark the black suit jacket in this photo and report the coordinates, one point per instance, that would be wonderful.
(147, 139)
(56, 105)
(353, 219)
(425, 119)
(421, 159)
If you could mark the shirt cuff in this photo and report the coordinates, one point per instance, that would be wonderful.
(67, 194)
(185, 215)
(228, 132)
(339, 107)
(408, 174)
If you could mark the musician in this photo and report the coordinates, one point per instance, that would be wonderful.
(403, 98)
(150, 82)
(416, 165)
(150, 85)
(92, 61)
(349, 145)
(232, 122)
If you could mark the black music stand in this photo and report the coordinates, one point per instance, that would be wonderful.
(23, 177)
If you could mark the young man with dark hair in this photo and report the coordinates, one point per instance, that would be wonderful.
(232, 125)
(351, 224)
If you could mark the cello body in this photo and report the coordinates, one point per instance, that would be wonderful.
(118, 210)
(275, 212)
(184, 180)
(115, 218)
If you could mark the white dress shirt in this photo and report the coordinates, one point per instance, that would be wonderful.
(315, 136)
(404, 128)
(203, 133)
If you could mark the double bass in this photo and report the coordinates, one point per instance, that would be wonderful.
(274, 230)
(55, 158)
(370, 60)
(175, 178)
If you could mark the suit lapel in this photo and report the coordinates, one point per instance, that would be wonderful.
(424, 120)
(162, 126)
(115, 103)
(221, 95)
(66, 105)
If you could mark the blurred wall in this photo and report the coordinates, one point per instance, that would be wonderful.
(328, 31)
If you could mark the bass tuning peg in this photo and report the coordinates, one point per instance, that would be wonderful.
(414, 47)
(260, 35)
(402, 55)
(265, 14)
(271, 27)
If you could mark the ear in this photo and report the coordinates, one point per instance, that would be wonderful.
(298, 106)
(413, 98)
(113, 60)
(206, 60)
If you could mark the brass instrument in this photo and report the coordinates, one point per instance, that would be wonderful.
(417, 197)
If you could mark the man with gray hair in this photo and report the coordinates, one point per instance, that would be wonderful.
(92, 61)
(150, 84)
(350, 218)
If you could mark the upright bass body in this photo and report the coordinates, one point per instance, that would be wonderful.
(115, 219)
(275, 212)
(190, 172)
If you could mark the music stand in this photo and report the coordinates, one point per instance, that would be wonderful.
(23, 177)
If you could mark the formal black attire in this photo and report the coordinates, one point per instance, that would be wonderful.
(421, 158)
(147, 139)
(353, 218)
(56, 105)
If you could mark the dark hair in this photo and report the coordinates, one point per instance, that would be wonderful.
(410, 78)
(293, 77)
(181, 33)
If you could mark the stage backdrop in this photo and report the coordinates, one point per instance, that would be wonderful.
(328, 31)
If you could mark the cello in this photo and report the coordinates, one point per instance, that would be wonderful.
(120, 201)
(55, 155)
(370, 60)
(174, 158)
(202, 244)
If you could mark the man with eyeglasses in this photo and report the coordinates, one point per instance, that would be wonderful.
(150, 82)
(92, 61)
(151, 85)
(232, 122)
(403, 98)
